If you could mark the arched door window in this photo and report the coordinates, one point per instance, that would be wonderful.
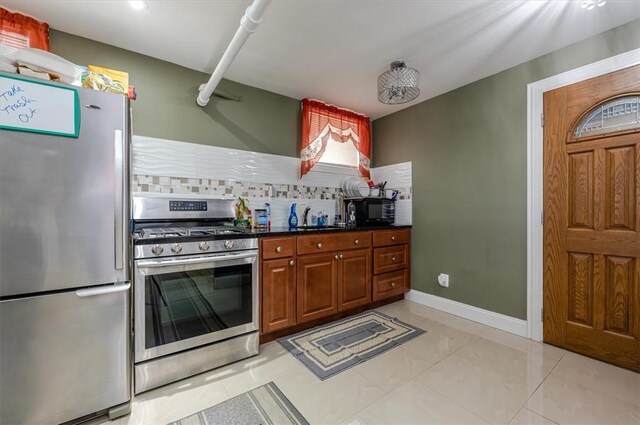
(622, 113)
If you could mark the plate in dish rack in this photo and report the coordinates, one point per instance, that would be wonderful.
(355, 187)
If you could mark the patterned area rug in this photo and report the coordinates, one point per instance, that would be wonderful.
(330, 349)
(260, 406)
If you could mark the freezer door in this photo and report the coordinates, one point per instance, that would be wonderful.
(65, 355)
(63, 203)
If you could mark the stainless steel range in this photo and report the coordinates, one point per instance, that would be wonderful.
(195, 288)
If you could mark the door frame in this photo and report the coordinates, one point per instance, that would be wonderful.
(535, 177)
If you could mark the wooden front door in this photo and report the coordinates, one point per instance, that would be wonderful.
(592, 217)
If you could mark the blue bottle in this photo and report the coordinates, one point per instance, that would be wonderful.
(293, 218)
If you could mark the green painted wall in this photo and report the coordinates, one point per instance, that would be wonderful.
(468, 149)
(166, 106)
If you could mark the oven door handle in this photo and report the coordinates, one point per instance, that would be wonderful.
(200, 260)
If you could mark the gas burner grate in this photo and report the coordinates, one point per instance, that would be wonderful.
(169, 232)
(174, 232)
(218, 230)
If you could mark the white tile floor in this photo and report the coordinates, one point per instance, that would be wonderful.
(459, 372)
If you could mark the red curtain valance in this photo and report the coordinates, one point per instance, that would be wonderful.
(322, 122)
(21, 31)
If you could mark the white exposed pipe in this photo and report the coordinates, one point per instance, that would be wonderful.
(248, 24)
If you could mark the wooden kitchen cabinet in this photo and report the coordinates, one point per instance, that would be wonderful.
(278, 248)
(390, 258)
(314, 278)
(390, 284)
(391, 237)
(354, 279)
(317, 286)
(391, 261)
(333, 242)
(278, 294)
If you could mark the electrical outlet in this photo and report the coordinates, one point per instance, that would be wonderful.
(443, 280)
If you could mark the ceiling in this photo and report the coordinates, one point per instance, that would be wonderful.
(334, 50)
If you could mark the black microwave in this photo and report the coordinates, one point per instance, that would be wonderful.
(373, 211)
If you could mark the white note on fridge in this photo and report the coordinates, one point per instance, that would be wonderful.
(38, 107)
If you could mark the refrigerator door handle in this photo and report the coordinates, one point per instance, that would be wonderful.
(119, 195)
(103, 290)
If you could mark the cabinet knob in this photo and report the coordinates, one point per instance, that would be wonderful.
(319, 245)
(291, 262)
(337, 256)
(393, 238)
(278, 249)
(356, 242)
(340, 256)
(393, 259)
(393, 284)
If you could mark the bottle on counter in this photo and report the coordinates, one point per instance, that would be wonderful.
(262, 220)
(267, 205)
(351, 215)
(293, 218)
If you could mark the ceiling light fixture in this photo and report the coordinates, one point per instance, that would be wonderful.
(138, 4)
(591, 4)
(398, 85)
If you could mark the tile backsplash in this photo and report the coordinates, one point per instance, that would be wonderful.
(167, 184)
(164, 166)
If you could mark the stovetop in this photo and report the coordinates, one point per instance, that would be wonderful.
(184, 232)
(172, 239)
(172, 225)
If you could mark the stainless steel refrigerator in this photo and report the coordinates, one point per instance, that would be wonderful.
(64, 272)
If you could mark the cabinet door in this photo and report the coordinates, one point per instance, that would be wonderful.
(317, 286)
(278, 294)
(354, 279)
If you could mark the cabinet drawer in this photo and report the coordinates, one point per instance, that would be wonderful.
(391, 237)
(328, 242)
(390, 258)
(278, 248)
(390, 284)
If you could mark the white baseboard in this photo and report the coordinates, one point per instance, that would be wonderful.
(486, 317)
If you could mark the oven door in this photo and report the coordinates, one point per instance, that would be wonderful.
(185, 302)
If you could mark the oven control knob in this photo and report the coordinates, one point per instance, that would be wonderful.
(204, 246)
(176, 249)
(157, 250)
(228, 244)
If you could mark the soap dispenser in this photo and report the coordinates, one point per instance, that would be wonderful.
(293, 218)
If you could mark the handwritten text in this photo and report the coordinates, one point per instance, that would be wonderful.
(11, 92)
(19, 105)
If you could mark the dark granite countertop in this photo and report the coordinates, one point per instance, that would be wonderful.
(285, 231)
(273, 231)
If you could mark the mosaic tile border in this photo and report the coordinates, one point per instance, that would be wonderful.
(184, 185)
